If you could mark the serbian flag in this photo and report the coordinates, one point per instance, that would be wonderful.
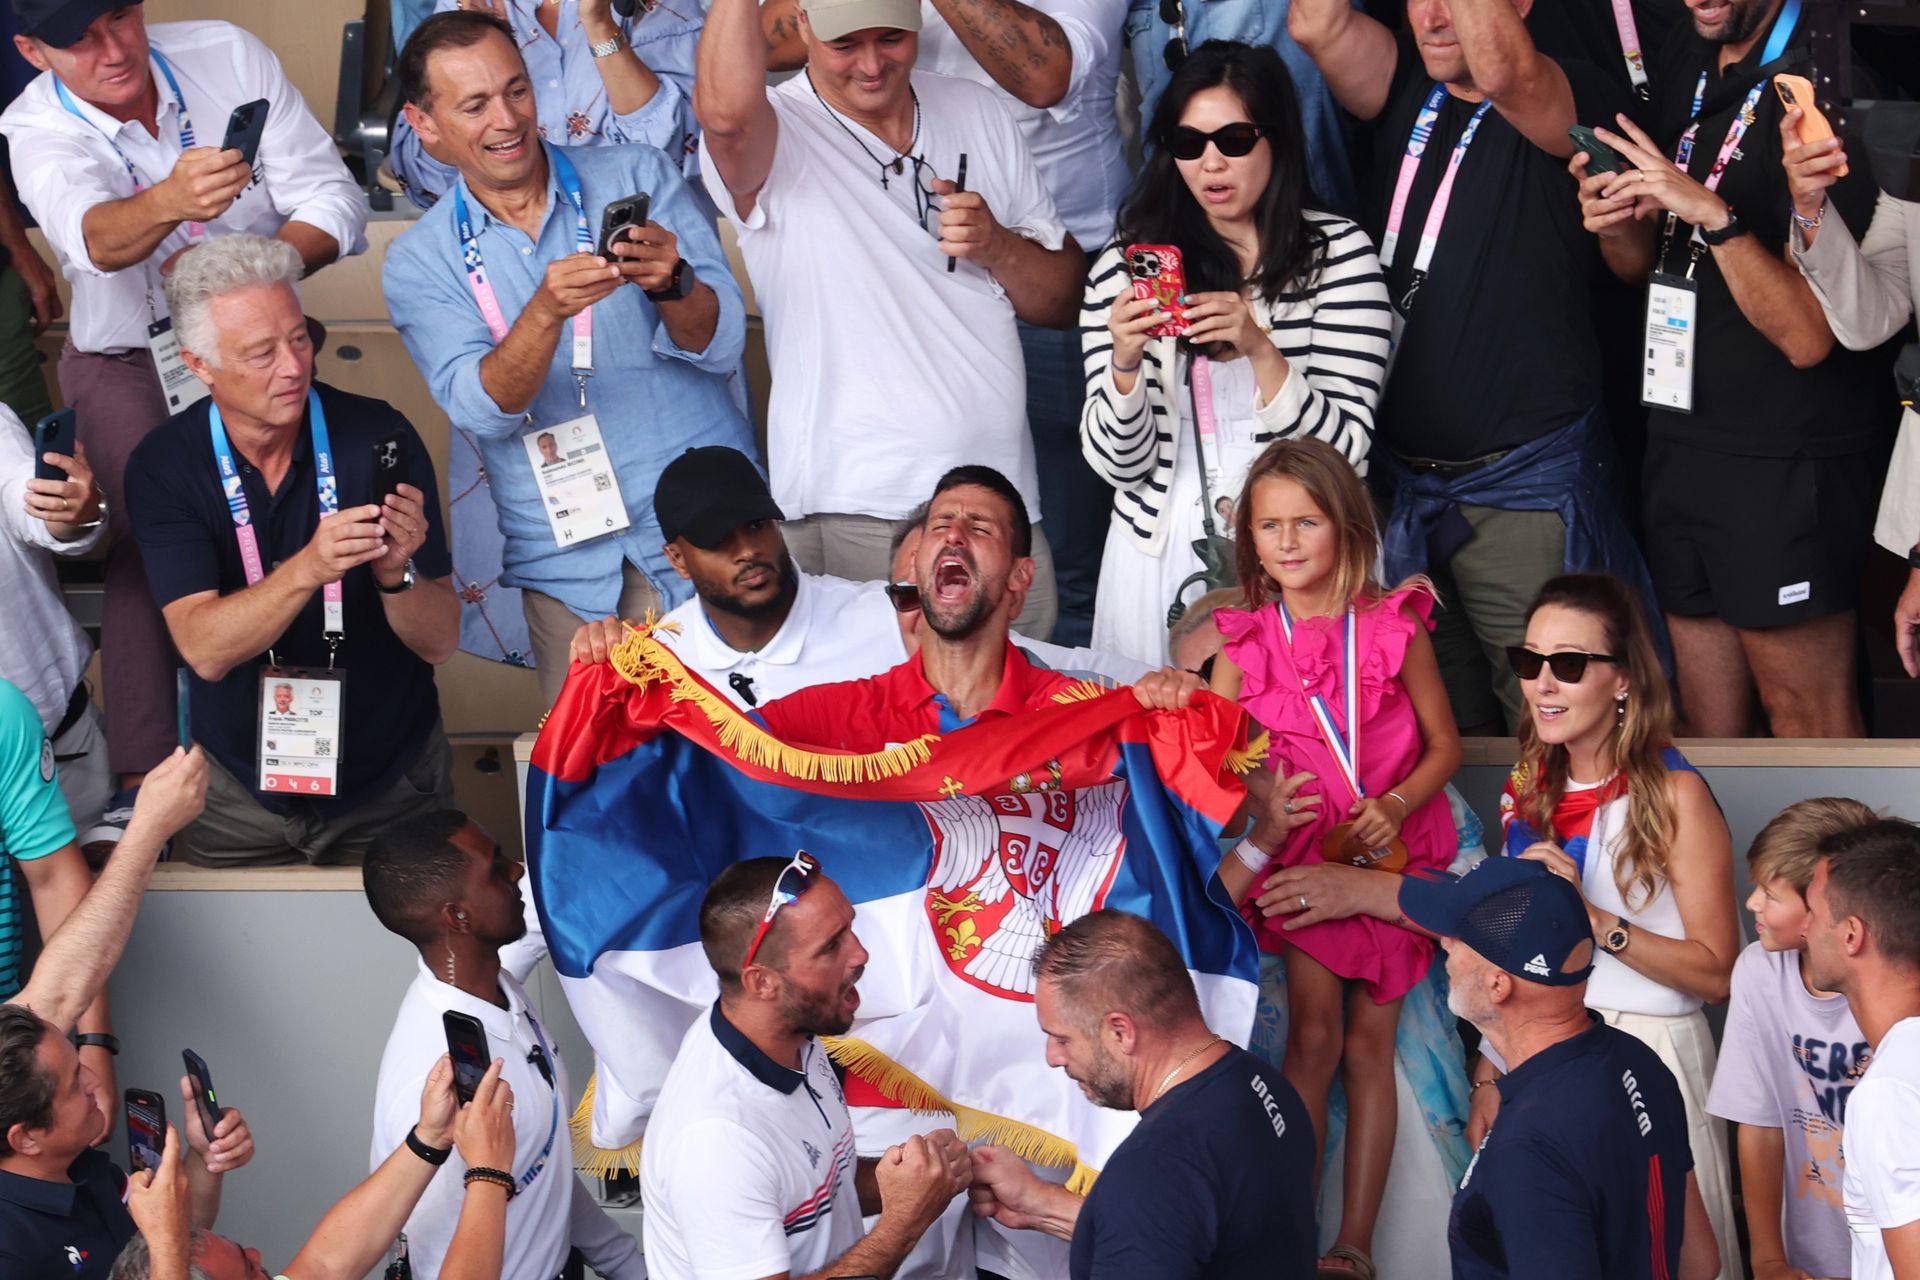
(961, 854)
(1577, 814)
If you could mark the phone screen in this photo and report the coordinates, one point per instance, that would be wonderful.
(146, 1129)
(467, 1046)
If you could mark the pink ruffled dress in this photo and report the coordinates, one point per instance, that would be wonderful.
(1389, 959)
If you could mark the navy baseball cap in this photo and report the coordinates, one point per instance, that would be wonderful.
(706, 493)
(1513, 911)
(61, 23)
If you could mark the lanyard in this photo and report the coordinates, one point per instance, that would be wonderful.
(335, 614)
(533, 1170)
(489, 301)
(1783, 29)
(1630, 46)
(1443, 196)
(1345, 749)
(196, 230)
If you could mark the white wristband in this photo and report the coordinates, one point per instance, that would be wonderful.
(1251, 855)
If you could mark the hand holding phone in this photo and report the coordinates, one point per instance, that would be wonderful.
(1797, 91)
(392, 460)
(245, 127)
(1159, 273)
(1601, 158)
(200, 1080)
(53, 434)
(467, 1046)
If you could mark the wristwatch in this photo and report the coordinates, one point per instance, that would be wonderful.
(406, 581)
(97, 1040)
(1615, 940)
(1913, 558)
(1734, 229)
(678, 286)
(607, 48)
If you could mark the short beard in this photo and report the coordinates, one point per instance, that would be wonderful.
(1742, 23)
(779, 602)
(809, 1013)
(961, 625)
(1107, 1084)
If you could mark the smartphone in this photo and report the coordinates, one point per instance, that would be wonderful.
(467, 1045)
(244, 128)
(391, 462)
(1159, 273)
(625, 8)
(1601, 158)
(146, 1129)
(619, 218)
(202, 1081)
(1797, 91)
(183, 706)
(53, 434)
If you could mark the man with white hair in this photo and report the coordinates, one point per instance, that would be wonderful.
(291, 534)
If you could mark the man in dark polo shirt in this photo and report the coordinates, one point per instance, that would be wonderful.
(1766, 451)
(1216, 1181)
(1497, 465)
(297, 573)
(1586, 1173)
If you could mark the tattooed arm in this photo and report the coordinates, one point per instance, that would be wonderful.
(1023, 49)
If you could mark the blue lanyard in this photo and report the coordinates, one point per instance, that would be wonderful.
(179, 107)
(325, 482)
(539, 1164)
(1442, 196)
(483, 291)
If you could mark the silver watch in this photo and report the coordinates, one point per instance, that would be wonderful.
(606, 49)
(406, 581)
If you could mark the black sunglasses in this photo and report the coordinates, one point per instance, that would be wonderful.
(1568, 666)
(1173, 14)
(905, 596)
(1232, 139)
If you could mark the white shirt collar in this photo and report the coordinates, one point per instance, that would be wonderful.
(785, 649)
(500, 1023)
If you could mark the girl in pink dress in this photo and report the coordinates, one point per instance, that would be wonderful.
(1314, 617)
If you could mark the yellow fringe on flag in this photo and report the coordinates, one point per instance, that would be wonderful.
(598, 1162)
(903, 1086)
(1244, 760)
(642, 661)
(1082, 1179)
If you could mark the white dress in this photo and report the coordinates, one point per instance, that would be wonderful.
(1136, 589)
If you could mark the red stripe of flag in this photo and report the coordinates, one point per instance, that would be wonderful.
(1657, 1218)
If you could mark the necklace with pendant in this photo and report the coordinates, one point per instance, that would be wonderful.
(899, 162)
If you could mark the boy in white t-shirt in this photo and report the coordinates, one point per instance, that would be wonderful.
(1790, 1057)
(1863, 939)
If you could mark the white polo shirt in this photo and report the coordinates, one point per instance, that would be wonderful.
(1075, 142)
(836, 630)
(747, 1170)
(553, 1208)
(42, 649)
(64, 163)
(888, 369)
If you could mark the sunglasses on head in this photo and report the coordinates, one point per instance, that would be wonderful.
(905, 596)
(1232, 139)
(795, 879)
(1568, 665)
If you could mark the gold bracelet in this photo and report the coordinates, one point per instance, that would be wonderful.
(1406, 810)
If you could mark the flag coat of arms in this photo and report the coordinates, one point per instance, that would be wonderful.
(961, 853)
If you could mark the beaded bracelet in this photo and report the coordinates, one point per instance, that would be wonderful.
(498, 1177)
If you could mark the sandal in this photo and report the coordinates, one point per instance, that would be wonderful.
(1359, 1265)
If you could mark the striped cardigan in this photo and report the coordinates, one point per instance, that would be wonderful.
(1334, 330)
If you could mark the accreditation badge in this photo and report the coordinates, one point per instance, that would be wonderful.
(578, 490)
(178, 386)
(299, 750)
(1673, 304)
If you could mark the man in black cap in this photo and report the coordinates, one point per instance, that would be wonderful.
(1587, 1170)
(757, 628)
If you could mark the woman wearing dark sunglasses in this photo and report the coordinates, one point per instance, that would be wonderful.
(1288, 337)
(1602, 797)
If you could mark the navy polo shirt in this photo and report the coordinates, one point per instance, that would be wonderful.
(186, 537)
(1584, 1175)
(65, 1229)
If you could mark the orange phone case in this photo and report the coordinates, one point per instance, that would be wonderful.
(1157, 272)
(1797, 91)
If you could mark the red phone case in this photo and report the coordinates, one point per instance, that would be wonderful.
(1158, 273)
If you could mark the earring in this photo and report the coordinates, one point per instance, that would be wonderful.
(1620, 707)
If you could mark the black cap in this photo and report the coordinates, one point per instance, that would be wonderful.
(60, 23)
(1513, 911)
(707, 493)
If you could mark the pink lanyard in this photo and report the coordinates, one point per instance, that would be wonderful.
(1630, 46)
(1683, 153)
(1442, 197)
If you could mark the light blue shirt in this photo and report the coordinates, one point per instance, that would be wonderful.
(652, 399)
(570, 95)
(33, 817)
(1256, 22)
